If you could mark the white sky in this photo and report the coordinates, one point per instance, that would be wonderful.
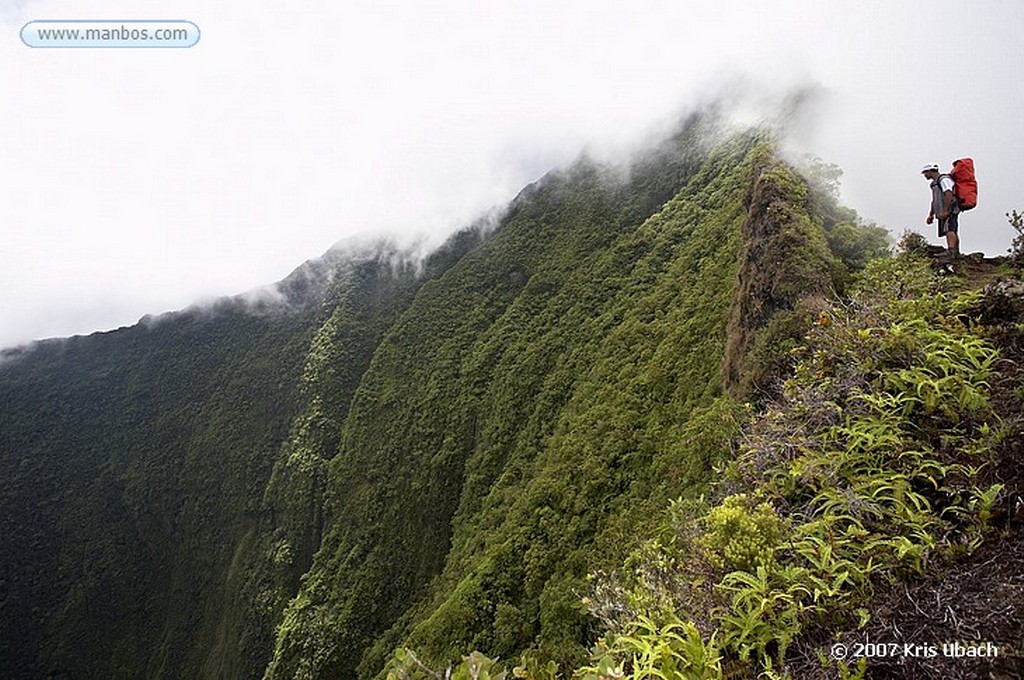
(137, 181)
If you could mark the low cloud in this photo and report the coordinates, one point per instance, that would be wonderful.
(179, 174)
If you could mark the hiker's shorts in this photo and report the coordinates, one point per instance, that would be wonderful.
(951, 223)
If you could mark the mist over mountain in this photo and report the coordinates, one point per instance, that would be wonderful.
(187, 174)
(392, 458)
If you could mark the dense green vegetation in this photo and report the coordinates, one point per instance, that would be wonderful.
(453, 457)
(876, 464)
(135, 464)
(866, 470)
(533, 407)
(116, 511)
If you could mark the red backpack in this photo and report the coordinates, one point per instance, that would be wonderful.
(966, 189)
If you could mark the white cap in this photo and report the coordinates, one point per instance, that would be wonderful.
(930, 166)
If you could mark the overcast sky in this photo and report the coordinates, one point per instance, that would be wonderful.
(137, 181)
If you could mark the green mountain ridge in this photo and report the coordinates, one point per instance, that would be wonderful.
(391, 453)
(119, 523)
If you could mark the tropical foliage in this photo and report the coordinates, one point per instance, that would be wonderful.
(573, 428)
(865, 471)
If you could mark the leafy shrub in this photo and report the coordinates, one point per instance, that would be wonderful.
(740, 536)
(671, 650)
(912, 243)
(405, 665)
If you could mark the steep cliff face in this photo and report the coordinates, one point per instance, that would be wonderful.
(117, 513)
(534, 404)
(135, 464)
(431, 455)
(785, 260)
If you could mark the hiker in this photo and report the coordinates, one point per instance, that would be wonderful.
(944, 206)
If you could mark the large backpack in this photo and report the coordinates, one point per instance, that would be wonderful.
(966, 189)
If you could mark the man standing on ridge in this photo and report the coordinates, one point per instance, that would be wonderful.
(944, 207)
